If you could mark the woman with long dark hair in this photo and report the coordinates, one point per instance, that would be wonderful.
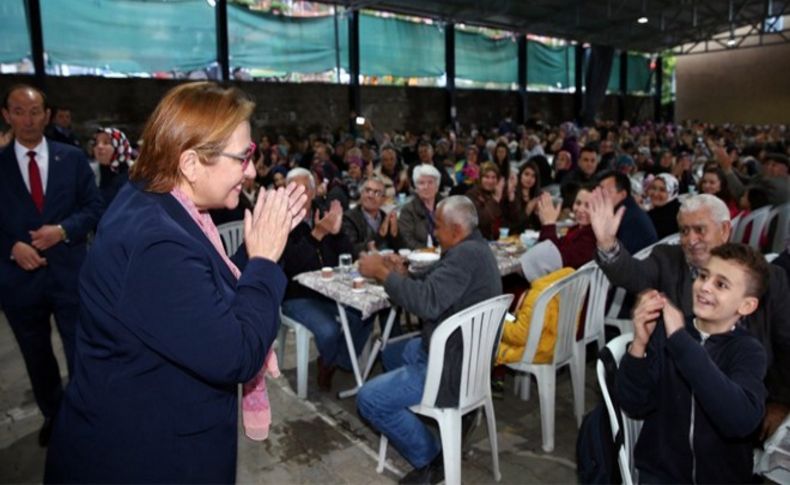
(523, 200)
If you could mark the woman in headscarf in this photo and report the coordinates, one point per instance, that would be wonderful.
(112, 150)
(663, 192)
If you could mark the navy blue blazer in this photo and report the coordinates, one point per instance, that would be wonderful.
(166, 335)
(71, 200)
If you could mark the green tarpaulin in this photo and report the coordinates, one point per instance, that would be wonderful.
(639, 74)
(135, 36)
(15, 40)
(483, 59)
(130, 35)
(285, 44)
(553, 66)
(399, 48)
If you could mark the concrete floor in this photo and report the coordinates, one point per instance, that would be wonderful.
(321, 439)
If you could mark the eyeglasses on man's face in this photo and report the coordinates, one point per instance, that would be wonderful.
(373, 192)
(245, 159)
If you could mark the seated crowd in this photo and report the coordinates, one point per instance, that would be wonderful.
(601, 193)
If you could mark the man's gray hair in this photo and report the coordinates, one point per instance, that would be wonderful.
(718, 209)
(426, 170)
(374, 178)
(299, 172)
(459, 209)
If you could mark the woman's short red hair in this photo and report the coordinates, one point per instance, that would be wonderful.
(198, 116)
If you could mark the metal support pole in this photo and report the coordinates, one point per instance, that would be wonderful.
(523, 112)
(223, 55)
(623, 86)
(659, 89)
(354, 96)
(578, 99)
(36, 41)
(449, 69)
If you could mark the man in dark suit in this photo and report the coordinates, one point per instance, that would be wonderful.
(48, 203)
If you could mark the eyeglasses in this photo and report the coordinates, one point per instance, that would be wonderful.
(374, 192)
(244, 159)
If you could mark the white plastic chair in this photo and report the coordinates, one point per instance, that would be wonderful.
(302, 350)
(232, 234)
(571, 290)
(735, 223)
(596, 309)
(632, 427)
(758, 219)
(782, 215)
(481, 326)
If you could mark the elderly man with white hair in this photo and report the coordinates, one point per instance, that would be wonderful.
(316, 242)
(704, 223)
(417, 218)
(465, 275)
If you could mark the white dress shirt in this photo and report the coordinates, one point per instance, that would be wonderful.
(42, 159)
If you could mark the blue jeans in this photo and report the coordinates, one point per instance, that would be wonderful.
(320, 316)
(384, 402)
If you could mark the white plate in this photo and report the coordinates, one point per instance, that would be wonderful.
(423, 258)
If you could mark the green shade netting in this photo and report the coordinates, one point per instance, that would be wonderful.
(553, 66)
(14, 41)
(483, 59)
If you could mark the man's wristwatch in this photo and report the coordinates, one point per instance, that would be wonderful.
(63, 234)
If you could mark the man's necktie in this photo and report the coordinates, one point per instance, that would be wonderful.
(36, 190)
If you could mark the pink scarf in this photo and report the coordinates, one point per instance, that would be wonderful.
(256, 412)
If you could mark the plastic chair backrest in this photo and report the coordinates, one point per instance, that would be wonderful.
(596, 301)
(757, 219)
(735, 224)
(782, 230)
(632, 427)
(571, 290)
(232, 234)
(481, 327)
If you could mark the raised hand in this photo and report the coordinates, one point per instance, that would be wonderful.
(384, 227)
(548, 213)
(266, 228)
(297, 196)
(330, 223)
(604, 220)
(673, 318)
(500, 189)
(646, 312)
(393, 217)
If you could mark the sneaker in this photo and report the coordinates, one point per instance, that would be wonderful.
(498, 388)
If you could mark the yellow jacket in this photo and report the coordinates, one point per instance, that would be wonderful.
(514, 334)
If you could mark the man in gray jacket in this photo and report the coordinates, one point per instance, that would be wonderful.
(466, 274)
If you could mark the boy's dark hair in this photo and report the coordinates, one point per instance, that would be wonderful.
(621, 180)
(589, 148)
(750, 260)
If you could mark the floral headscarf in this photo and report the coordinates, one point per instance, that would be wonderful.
(673, 186)
(121, 149)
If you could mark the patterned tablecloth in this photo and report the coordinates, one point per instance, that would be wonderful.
(373, 297)
(368, 301)
(507, 257)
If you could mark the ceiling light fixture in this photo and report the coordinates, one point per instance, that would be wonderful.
(731, 42)
(642, 20)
